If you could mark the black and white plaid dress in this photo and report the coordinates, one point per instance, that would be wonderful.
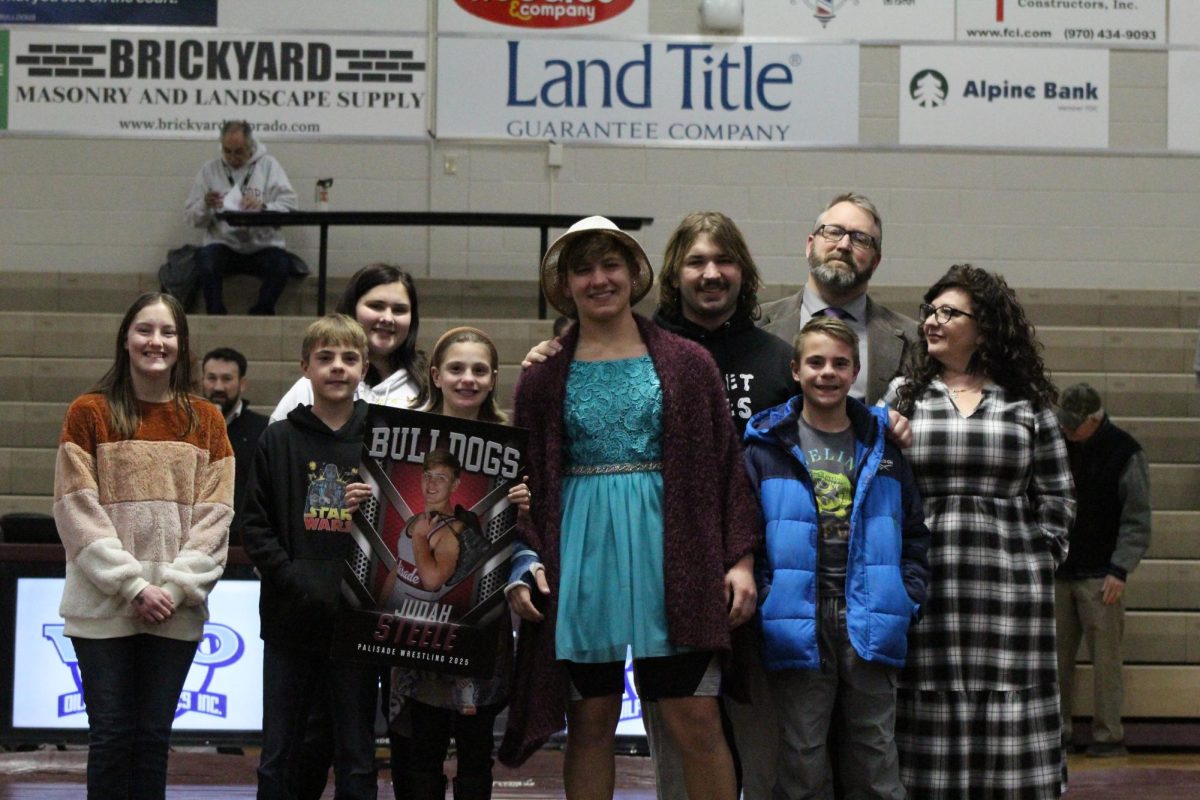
(977, 712)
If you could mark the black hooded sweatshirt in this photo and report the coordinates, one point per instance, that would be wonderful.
(296, 529)
(756, 365)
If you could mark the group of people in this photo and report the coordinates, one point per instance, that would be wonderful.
(828, 533)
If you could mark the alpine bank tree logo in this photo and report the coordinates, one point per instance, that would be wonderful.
(929, 88)
(220, 646)
(546, 13)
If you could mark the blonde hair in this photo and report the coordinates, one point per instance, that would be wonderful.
(832, 327)
(334, 329)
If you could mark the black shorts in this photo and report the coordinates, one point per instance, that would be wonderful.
(696, 674)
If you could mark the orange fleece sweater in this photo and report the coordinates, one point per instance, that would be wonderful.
(154, 509)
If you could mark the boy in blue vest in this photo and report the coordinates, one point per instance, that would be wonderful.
(844, 571)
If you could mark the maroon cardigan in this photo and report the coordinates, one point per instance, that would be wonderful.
(711, 517)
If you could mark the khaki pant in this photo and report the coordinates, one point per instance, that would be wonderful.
(1080, 613)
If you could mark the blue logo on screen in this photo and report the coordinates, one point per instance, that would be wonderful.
(219, 647)
(631, 705)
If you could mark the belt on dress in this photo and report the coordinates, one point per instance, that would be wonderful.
(613, 469)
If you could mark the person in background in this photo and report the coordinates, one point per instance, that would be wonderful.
(1108, 538)
(223, 378)
(244, 178)
(143, 498)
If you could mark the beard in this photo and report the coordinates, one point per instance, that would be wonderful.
(836, 275)
(226, 404)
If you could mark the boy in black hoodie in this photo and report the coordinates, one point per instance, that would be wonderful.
(303, 489)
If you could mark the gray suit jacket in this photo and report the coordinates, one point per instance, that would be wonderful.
(888, 336)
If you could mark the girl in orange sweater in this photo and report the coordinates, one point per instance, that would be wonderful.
(143, 496)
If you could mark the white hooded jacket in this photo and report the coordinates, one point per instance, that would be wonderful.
(261, 177)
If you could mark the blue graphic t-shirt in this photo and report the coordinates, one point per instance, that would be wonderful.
(830, 461)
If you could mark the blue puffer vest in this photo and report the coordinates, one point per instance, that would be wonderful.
(878, 608)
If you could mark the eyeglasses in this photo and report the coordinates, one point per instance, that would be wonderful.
(834, 233)
(942, 314)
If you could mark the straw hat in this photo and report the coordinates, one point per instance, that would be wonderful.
(552, 283)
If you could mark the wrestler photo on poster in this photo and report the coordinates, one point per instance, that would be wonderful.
(425, 585)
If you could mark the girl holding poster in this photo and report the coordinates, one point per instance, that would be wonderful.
(644, 523)
(143, 497)
(463, 372)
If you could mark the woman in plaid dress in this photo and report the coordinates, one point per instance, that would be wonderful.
(977, 713)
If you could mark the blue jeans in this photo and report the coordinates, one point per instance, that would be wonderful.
(131, 686)
(271, 265)
(293, 680)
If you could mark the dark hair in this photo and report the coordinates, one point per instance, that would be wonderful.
(116, 385)
(726, 235)
(443, 458)
(591, 246)
(488, 411)
(226, 354)
(406, 356)
(1009, 352)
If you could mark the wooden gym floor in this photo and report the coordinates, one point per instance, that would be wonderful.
(202, 774)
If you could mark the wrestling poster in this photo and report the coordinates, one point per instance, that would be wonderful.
(425, 585)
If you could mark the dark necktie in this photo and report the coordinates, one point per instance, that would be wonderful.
(836, 313)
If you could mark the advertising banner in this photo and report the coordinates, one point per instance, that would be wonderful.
(648, 91)
(223, 690)
(554, 17)
(1185, 23)
(231, 15)
(1101, 23)
(426, 584)
(1004, 97)
(335, 16)
(1183, 113)
(856, 20)
(108, 12)
(177, 85)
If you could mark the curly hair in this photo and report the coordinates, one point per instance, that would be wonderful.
(1009, 354)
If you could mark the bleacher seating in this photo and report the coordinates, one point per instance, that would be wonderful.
(57, 335)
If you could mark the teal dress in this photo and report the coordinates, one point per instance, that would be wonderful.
(611, 588)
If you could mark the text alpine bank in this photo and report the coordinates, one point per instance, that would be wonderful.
(648, 90)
